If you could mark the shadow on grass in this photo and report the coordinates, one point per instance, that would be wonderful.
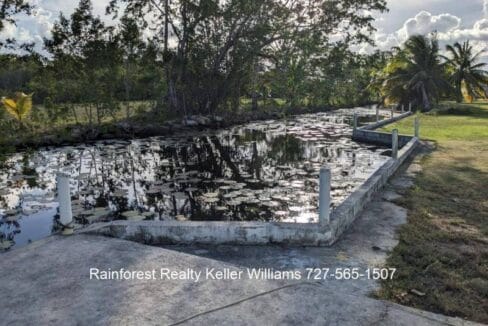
(471, 110)
(442, 256)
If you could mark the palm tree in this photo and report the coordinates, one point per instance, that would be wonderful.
(469, 77)
(415, 73)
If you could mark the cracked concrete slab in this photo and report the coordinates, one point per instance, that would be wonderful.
(47, 282)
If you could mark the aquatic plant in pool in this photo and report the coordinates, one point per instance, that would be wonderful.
(260, 171)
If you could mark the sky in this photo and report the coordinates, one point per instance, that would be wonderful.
(453, 20)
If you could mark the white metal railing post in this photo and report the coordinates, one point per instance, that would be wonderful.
(324, 196)
(64, 199)
(410, 107)
(394, 144)
(377, 114)
(403, 108)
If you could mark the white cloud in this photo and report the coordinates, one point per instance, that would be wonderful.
(30, 28)
(449, 30)
(424, 23)
(38, 25)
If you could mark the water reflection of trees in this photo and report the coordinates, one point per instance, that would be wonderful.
(244, 173)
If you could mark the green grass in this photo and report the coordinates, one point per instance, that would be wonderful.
(450, 122)
(443, 249)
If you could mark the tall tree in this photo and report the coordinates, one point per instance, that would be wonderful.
(415, 74)
(86, 55)
(131, 43)
(214, 45)
(469, 78)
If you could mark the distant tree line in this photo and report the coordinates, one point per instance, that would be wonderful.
(203, 56)
(206, 56)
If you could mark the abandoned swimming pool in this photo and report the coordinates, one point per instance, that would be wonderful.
(260, 171)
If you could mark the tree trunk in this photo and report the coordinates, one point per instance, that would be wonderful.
(425, 100)
(73, 110)
(254, 94)
(459, 92)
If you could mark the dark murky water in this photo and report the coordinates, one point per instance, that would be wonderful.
(266, 171)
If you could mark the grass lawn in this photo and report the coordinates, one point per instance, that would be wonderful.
(443, 249)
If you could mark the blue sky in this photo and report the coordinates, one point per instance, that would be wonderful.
(454, 20)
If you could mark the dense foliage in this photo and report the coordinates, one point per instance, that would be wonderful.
(418, 74)
(202, 56)
(468, 76)
(181, 57)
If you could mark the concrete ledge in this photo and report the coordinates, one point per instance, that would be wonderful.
(345, 214)
(366, 134)
(189, 232)
(260, 233)
(386, 121)
(378, 138)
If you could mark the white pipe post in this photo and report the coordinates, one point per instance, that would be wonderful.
(410, 107)
(355, 120)
(64, 199)
(324, 196)
(403, 108)
(377, 114)
(394, 144)
(392, 112)
(417, 127)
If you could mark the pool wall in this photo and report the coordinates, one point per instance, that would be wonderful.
(260, 233)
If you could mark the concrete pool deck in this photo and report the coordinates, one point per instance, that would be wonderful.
(47, 282)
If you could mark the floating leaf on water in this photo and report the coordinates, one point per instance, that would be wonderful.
(281, 213)
(210, 200)
(211, 194)
(133, 216)
(102, 210)
(252, 201)
(180, 195)
(5, 244)
(221, 208)
(271, 204)
(225, 188)
(191, 189)
(129, 214)
(181, 218)
(280, 197)
(120, 193)
(83, 176)
(295, 209)
(12, 212)
(153, 191)
(12, 218)
(238, 186)
(253, 181)
(234, 203)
